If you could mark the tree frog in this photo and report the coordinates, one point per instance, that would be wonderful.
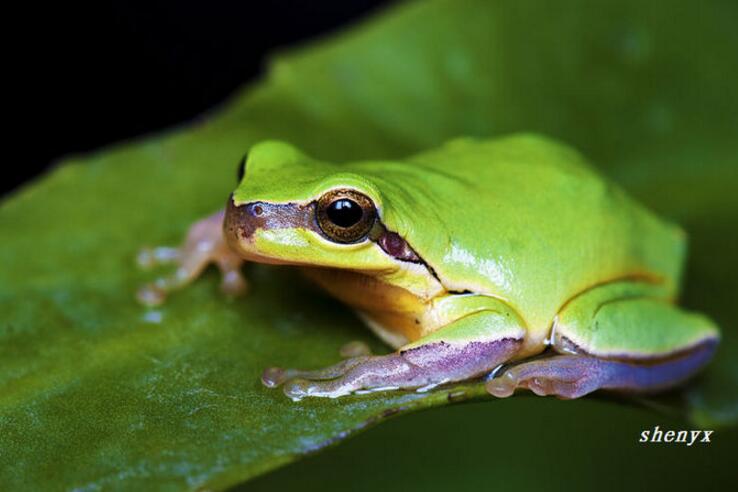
(510, 259)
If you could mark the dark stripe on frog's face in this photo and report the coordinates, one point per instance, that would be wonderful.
(242, 221)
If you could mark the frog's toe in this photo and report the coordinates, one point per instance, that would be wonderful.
(297, 389)
(155, 293)
(151, 295)
(363, 378)
(361, 374)
(555, 387)
(562, 376)
(276, 376)
(233, 283)
(503, 386)
(149, 258)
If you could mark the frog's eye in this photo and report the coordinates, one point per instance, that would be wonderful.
(241, 171)
(345, 216)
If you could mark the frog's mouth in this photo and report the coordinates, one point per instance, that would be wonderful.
(242, 222)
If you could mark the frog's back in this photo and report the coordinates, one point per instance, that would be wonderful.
(528, 220)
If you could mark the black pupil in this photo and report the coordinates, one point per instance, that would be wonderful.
(344, 212)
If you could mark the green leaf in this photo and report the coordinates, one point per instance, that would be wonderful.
(98, 393)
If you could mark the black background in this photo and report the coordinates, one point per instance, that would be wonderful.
(83, 76)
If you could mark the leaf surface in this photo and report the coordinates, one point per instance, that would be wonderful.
(97, 392)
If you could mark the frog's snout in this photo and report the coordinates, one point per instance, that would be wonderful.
(241, 221)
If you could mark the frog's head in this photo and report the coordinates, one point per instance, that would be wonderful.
(292, 209)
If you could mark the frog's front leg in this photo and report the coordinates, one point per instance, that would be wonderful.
(623, 337)
(204, 245)
(466, 348)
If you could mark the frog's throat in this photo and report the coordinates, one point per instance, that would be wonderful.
(242, 221)
(394, 313)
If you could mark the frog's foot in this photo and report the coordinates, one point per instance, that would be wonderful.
(565, 376)
(572, 376)
(421, 368)
(204, 245)
(354, 353)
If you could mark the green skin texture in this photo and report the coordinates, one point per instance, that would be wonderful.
(544, 250)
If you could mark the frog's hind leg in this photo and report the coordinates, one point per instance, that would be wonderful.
(572, 376)
(204, 245)
(618, 337)
(467, 348)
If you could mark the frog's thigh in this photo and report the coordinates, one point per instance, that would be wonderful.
(618, 339)
(466, 348)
